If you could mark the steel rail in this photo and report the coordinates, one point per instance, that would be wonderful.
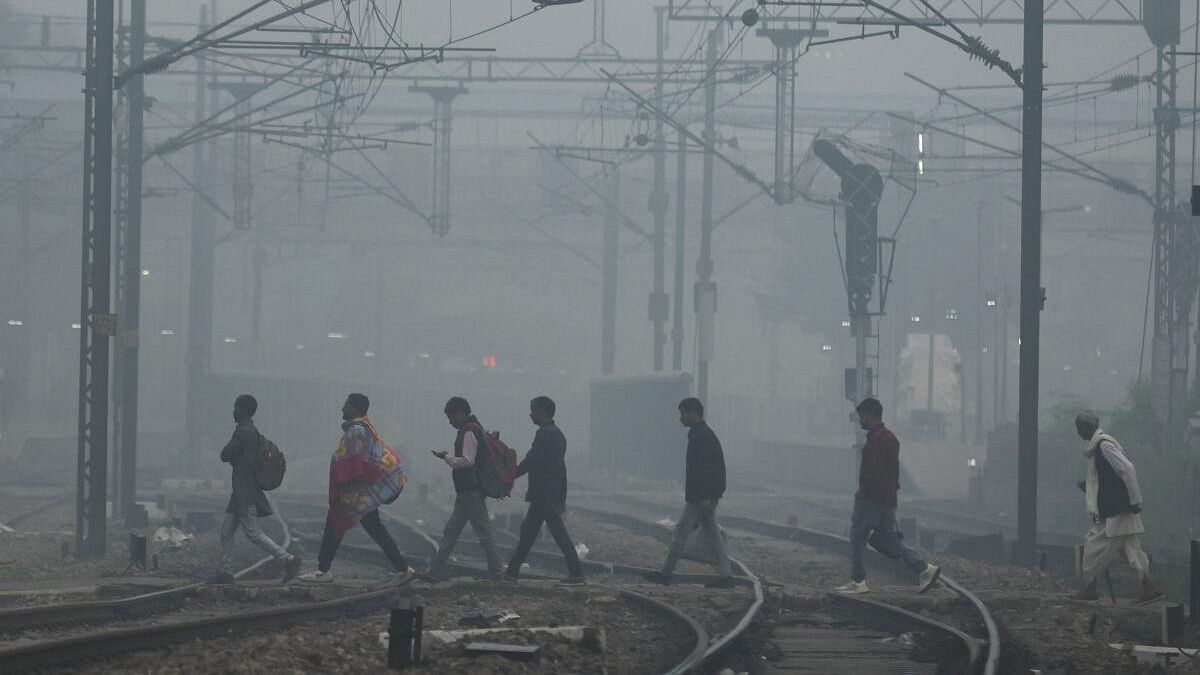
(827, 540)
(702, 651)
(46, 653)
(696, 657)
(102, 610)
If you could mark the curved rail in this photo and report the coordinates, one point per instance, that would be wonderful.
(816, 537)
(699, 651)
(748, 617)
(100, 610)
(46, 653)
(828, 540)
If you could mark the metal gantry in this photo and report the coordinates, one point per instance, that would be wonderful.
(443, 99)
(96, 323)
(128, 214)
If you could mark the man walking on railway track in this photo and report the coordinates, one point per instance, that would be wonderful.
(469, 500)
(704, 485)
(364, 474)
(248, 503)
(1114, 500)
(547, 493)
(874, 517)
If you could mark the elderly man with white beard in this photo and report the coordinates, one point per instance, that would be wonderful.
(1114, 500)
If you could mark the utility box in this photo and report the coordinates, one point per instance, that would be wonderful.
(635, 426)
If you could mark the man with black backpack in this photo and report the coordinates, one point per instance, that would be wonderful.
(469, 503)
(248, 503)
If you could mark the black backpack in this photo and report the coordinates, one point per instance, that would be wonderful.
(271, 465)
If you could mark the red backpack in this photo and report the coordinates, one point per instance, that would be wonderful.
(498, 470)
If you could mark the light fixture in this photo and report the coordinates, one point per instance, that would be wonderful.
(972, 463)
(368, 354)
(845, 323)
(336, 336)
(166, 331)
(920, 167)
(826, 347)
(920, 142)
(1067, 368)
(952, 315)
(76, 326)
(915, 318)
(423, 355)
(145, 272)
(299, 346)
(16, 322)
(229, 340)
(991, 303)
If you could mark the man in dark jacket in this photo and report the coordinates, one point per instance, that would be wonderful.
(469, 500)
(247, 503)
(874, 517)
(704, 485)
(547, 494)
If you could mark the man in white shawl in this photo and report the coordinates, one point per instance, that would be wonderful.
(1114, 501)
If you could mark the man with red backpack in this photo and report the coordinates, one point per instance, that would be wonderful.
(364, 474)
(248, 503)
(470, 445)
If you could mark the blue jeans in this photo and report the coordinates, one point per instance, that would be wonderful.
(876, 525)
(704, 514)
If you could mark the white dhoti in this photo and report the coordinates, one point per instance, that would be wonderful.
(1101, 548)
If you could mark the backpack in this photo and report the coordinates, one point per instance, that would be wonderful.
(271, 465)
(498, 470)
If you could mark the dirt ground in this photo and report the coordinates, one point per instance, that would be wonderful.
(637, 641)
(1042, 628)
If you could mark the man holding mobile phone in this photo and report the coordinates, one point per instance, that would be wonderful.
(469, 501)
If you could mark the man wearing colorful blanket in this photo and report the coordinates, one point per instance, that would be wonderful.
(364, 474)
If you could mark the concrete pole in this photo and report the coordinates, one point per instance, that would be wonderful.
(979, 312)
(1031, 286)
(658, 206)
(200, 269)
(933, 311)
(680, 230)
(608, 301)
(706, 290)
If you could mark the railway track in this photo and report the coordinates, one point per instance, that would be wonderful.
(983, 654)
(852, 615)
(62, 651)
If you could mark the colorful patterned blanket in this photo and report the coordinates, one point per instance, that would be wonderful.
(364, 474)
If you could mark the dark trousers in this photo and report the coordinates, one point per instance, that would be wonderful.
(551, 514)
(374, 527)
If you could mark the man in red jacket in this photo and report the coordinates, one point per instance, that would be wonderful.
(874, 518)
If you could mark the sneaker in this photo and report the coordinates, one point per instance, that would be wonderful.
(508, 578)
(658, 578)
(401, 576)
(223, 578)
(292, 570)
(854, 587)
(317, 577)
(928, 578)
(720, 582)
(571, 581)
